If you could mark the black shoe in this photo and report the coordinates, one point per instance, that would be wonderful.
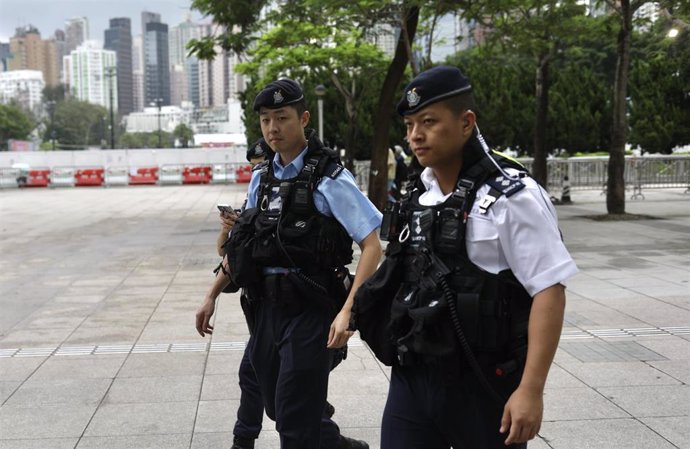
(329, 410)
(242, 443)
(351, 443)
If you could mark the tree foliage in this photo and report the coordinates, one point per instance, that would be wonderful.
(15, 123)
(184, 134)
(77, 124)
(145, 140)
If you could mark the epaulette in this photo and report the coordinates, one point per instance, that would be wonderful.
(505, 185)
(499, 185)
(260, 165)
(332, 168)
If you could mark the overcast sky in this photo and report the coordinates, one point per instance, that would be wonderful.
(49, 15)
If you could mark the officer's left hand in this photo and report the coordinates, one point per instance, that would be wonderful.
(522, 415)
(339, 335)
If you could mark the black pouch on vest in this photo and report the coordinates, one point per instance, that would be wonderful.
(371, 310)
(243, 269)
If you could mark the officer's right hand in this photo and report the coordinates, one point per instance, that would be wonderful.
(203, 317)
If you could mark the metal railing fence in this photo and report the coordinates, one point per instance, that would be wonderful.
(590, 173)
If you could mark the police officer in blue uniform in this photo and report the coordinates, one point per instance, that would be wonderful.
(289, 248)
(472, 288)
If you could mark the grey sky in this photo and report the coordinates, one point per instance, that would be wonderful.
(49, 15)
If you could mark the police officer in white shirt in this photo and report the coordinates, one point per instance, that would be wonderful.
(473, 286)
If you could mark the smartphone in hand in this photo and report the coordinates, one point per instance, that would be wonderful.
(225, 209)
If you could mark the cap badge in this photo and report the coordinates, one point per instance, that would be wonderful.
(413, 97)
(258, 150)
(277, 97)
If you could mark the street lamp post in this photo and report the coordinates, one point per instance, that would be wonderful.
(320, 91)
(110, 73)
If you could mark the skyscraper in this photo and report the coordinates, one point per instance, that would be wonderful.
(76, 32)
(138, 73)
(156, 64)
(186, 87)
(119, 39)
(86, 69)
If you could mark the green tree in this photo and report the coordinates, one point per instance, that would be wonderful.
(242, 18)
(78, 124)
(536, 29)
(15, 123)
(184, 134)
(659, 94)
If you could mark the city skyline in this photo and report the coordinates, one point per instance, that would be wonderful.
(50, 15)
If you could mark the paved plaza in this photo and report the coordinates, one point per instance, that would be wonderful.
(99, 286)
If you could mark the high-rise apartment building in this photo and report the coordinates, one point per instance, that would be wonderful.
(119, 39)
(185, 89)
(138, 72)
(76, 33)
(30, 52)
(156, 64)
(22, 86)
(88, 72)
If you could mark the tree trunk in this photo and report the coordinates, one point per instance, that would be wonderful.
(542, 99)
(378, 176)
(615, 186)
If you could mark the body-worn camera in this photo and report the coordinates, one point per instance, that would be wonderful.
(389, 224)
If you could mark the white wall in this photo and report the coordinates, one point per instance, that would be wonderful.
(124, 158)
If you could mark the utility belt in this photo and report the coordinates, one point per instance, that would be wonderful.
(297, 290)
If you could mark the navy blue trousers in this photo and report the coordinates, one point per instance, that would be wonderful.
(292, 365)
(430, 407)
(250, 413)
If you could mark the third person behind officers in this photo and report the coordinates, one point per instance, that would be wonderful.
(289, 248)
(475, 269)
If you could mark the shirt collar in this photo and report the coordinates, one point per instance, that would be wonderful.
(292, 169)
(433, 195)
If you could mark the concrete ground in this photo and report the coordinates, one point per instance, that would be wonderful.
(98, 290)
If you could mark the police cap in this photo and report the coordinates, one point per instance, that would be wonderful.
(259, 149)
(431, 86)
(278, 94)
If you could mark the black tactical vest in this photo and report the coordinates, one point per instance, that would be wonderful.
(285, 229)
(427, 243)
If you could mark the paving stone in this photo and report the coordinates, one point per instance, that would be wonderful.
(165, 364)
(602, 374)
(569, 404)
(657, 401)
(7, 387)
(174, 441)
(19, 368)
(154, 389)
(602, 351)
(44, 421)
(80, 367)
(46, 443)
(675, 429)
(145, 418)
(36, 392)
(220, 386)
(218, 416)
(600, 434)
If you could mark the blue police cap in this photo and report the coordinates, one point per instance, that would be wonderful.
(259, 149)
(433, 85)
(278, 94)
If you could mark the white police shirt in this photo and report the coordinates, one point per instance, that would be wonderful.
(519, 233)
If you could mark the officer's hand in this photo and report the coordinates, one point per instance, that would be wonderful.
(227, 220)
(339, 335)
(203, 317)
(522, 415)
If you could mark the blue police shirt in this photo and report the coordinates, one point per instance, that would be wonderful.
(339, 198)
